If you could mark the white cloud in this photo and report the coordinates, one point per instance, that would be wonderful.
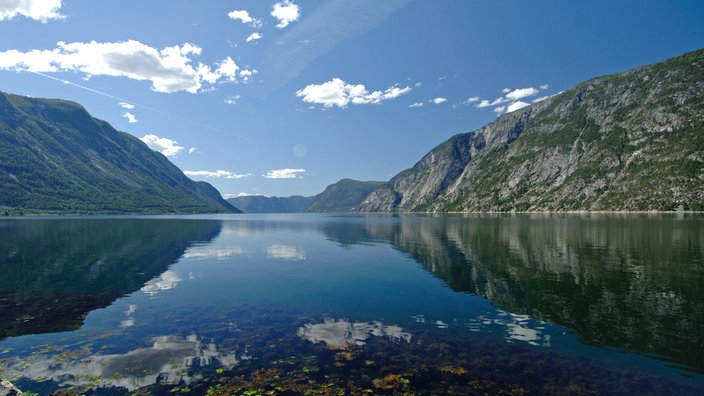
(193, 150)
(217, 174)
(244, 17)
(286, 12)
(228, 69)
(482, 104)
(516, 105)
(246, 74)
(521, 93)
(416, 104)
(131, 118)
(254, 36)
(125, 105)
(510, 101)
(438, 100)
(232, 100)
(242, 194)
(338, 93)
(165, 146)
(169, 69)
(287, 173)
(39, 10)
(486, 103)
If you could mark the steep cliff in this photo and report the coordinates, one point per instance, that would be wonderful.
(629, 141)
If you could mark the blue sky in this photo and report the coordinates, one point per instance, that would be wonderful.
(286, 97)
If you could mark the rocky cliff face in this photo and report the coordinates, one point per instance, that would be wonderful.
(630, 141)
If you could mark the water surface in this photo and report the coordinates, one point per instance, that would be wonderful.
(547, 304)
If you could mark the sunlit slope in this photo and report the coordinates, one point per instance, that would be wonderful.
(56, 158)
(629, 141)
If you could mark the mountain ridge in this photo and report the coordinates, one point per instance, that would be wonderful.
(623, 142)
(341, 196)
(56, 158)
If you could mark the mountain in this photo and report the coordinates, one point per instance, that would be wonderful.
(262, 204)
(56, 158)
(342, 196)
(628, 141)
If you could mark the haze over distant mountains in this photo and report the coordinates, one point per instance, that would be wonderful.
(343, 196)
(628, 141)
(56, 158)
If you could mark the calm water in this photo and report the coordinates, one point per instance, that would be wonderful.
(328, 304)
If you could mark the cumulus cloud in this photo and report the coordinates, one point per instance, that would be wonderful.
(510, 101)
(125, 105)
(287, 173)
(39, 10)
(170, 69)
(416, 104)
(486, 103)
(438, 100)
(168, 147)
(286, 12)
(521, 93)
(338, 93)
(131, 118)
(217, 174)
(516, 105)
(254, 36)
(244, 17)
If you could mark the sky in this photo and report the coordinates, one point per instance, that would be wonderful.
(282, 98)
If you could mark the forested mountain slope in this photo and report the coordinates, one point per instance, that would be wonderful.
(56, 158)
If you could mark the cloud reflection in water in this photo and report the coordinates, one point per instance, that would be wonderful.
(165, 361)
(339, 333)
(167, 281)
(285, 252)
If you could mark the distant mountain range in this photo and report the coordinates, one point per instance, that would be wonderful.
(628, 141)
(343, 196)
(56, 158)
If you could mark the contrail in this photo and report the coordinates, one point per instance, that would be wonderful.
(126, 101)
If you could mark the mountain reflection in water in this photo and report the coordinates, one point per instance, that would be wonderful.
(56, 271)
(625, 281)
